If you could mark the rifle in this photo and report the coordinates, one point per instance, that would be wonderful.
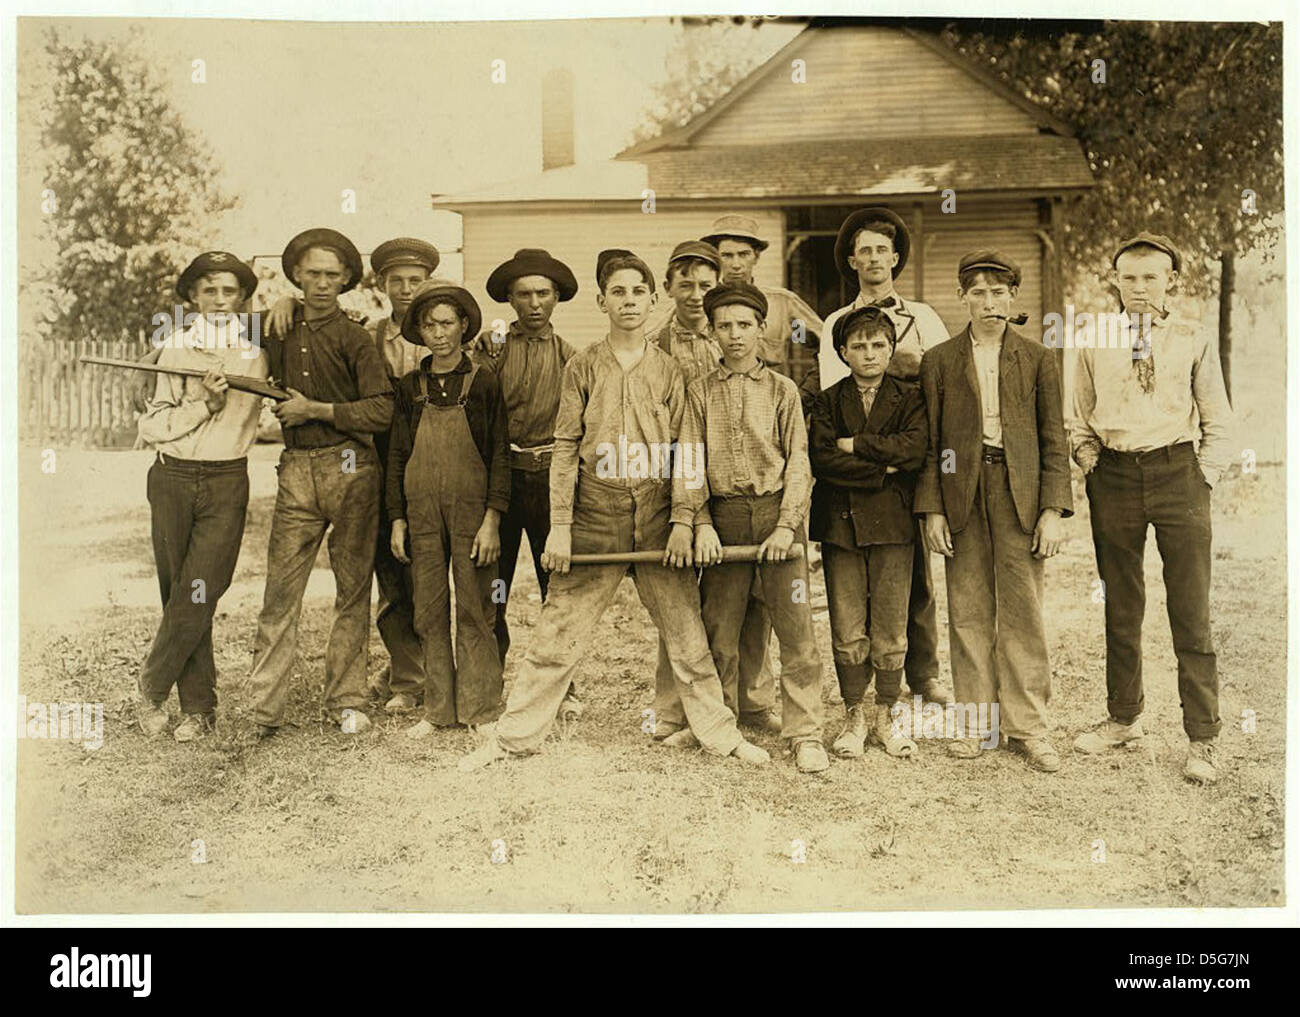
(239, 382)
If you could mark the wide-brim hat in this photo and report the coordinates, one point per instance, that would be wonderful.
(215, 261)
(322, 236)
(531, 261)
(404, 251)
(855, 221)
(441, 289)
(737, 227)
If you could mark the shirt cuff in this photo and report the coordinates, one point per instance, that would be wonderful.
(561, 517)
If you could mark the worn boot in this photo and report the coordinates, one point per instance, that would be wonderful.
(885, 733)
(849, 744)
(1202, 766)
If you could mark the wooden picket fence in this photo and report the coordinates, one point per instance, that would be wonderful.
(66, 402)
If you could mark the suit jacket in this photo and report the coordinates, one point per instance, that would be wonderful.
(855, 502)
(1033, 432)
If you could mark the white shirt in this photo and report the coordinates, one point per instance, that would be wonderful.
(177, 420)
(918, 326)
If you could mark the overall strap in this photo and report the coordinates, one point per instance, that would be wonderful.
(469, 383)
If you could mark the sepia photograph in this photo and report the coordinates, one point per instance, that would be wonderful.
(685, 465)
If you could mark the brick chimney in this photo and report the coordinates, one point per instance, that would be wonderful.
(557, 118)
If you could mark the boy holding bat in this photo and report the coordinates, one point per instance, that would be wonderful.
(620, 411)
(746, 419)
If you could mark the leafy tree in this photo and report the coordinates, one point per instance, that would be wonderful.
(709, 57)
(1182, 126)
(134, 191)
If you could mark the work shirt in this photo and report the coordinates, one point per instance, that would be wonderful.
(177, 421)
(530, 370)
(750, 427)
(1188, 402)
(787, 316)
(485, 412)
(334, 360)
(986, 356)
(614, 425)
(917, 325)
(400, 356)
(696, 353)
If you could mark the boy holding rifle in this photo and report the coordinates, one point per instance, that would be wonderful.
(198, 488)
(621, 405)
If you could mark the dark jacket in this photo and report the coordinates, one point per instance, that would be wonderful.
(1033, 434)
(854, 501)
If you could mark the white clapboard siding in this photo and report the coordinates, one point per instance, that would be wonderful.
(913, 92)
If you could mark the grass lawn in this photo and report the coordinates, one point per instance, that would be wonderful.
(604, 820)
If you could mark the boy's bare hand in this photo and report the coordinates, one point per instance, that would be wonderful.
(708, 548)
(678, 552)
(844, 445)
(938, 538)
(487, 542)
(397, 541)
(558, 550)
(1049, 534)
(280, 317)
(296, 410)
(777, 546)
(215, 386)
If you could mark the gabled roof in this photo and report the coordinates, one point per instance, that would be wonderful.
(682, 136)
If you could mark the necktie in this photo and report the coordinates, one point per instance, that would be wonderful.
(1144, 361)
(883, 302)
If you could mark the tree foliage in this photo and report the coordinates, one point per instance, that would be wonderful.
(1187, 119)
(134, 191)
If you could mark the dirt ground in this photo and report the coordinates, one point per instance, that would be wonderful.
(606, 821)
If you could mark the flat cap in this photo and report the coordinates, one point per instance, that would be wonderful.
(432, 290)
(404, 251)
(845, 324)
(215, 261)
(987, 258)
(701, 249)
(322, 236)
(531, 261)
(864, 217)
(1156, 240)
(609, 254)
(735, 293)
(734, 227)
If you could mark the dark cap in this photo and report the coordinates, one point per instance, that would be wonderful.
(696, 249)
(404, 251)
(987, 258)
(322, 236)
(215, 261)
(864, 217)
(859, 316)
(531, 261)
(606, 256)
(735, 293)
(432, 290)
(735, 227)
(1156, 240)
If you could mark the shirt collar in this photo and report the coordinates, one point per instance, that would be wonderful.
(517, 331)
(685, 331)
(754, 373)
(426, 365)
(862, 301)
(317, 324)
(985, 345)
(207, 335)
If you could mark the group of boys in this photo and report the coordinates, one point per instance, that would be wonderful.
(733, 425)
